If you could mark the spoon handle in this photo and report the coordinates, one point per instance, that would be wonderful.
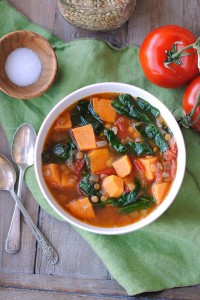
(48, 250)
(12, 244)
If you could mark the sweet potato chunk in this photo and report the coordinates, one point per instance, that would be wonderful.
(81, 208)
(98, 159)
(159, 191)
(129, 183)
(63, 122)
(104, 109)
(52, 174)
(146, 162)
(84, 137)
(67, 181)
(113, 185)
(122, 166)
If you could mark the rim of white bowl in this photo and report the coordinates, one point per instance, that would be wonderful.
(114, 87)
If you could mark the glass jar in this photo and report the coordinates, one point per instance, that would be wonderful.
(97, 15)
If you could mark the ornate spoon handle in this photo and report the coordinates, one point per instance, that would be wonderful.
(48, 250)
(12, 244)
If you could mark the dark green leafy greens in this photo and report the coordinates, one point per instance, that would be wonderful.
(59, 152)
(130, 197)
(145, 106)
(87, 187)
(115, 141)
(131, 201)
(140, 203)
(87, 160)
(140, 148)
(125, 105)
(83, 114)
(152, 132)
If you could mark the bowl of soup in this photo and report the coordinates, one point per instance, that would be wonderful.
(110, 158)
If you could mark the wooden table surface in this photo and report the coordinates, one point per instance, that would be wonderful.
(80, 274)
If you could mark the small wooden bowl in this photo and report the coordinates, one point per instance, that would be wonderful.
(32, 40)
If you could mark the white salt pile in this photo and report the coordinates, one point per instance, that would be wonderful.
(23, 66)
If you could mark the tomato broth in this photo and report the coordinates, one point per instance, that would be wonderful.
(109, 159)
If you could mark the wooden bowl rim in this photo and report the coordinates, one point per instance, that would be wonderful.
(34, 93)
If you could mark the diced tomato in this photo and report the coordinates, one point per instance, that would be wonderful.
(122, 126)
(158, 173)
(173, 147)
(169, 155)
(166, 174)
(139, 166)
(107, 171)
(126, 189)
(173, 168)
(166, 167)
(78, 166)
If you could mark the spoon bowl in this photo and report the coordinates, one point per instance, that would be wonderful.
(23, 146)
(7, 175)
(23, 155)
(7, 182)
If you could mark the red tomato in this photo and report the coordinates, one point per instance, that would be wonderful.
(79, 165)
(173, 168)
(122, 125)
(152, 57)
(189, 99)
(138, 165)
(107, 171)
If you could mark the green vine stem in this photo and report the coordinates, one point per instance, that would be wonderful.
(173, 55)
(186, 120)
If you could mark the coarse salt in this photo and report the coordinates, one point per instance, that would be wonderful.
(23, 66)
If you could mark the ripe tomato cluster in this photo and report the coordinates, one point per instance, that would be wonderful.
(169, 59)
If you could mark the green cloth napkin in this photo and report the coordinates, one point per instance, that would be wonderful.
(166, 253)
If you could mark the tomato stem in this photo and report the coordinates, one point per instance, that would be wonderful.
(186, 121)
(173, 55)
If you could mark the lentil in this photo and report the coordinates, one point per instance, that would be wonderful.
(103, 198)
(94, 199)
(115, 129)
(97, 15)
(97, 186)
(168, 137)
(107, 126)
(79, 155)
(94, 178)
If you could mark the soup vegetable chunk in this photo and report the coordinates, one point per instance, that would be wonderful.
(109, 159)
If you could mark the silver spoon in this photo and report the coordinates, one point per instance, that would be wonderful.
(7, 182)
(23, 155)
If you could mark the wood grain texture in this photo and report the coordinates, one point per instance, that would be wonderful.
(154, 13)
(77, 259)
(96, 288)
(79, 274)
(61, 284)
(32, 295)
(41, 12)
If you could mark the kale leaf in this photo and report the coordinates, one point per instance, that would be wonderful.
(87, 187)
(114, 141)
(140, 148)
(83, 114)
(125, 105)
(145, 106)
(152, 132)
(59, 152)
(140, 203)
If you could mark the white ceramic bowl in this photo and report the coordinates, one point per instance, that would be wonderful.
(116, 88)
